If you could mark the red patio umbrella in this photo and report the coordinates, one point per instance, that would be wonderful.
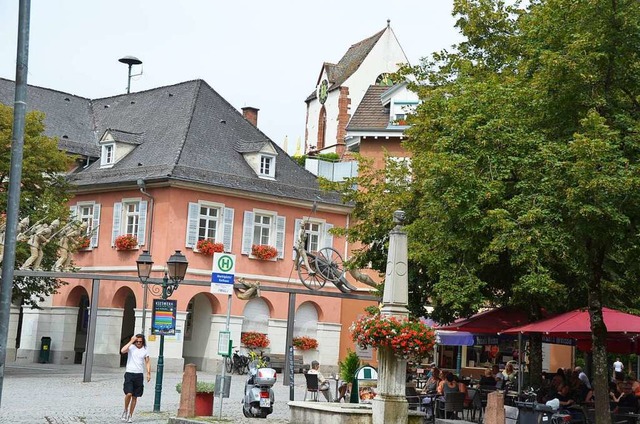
(577, 324)
(493, 321)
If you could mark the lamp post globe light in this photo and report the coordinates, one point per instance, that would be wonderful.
(176, 269)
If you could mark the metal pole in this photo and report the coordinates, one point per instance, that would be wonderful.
(91, 339)
(144, 306)
(224, 368)
(520, 374)
(15, 177)
(288, 361)
(129, 80)
(159, 372)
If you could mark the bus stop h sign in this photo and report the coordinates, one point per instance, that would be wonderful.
(224, 270)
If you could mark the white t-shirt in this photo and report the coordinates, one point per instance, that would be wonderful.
(135, 359)
(617, 366)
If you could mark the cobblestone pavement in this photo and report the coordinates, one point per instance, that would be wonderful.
(56, 394)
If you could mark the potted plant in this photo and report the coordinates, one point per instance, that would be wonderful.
(348, 367)
(204, 397)
(209, 247)
(264, 252)
(126, 242)
(305, 343)
(83, 243)
(254, 340)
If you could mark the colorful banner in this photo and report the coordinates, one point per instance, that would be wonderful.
(163, 320)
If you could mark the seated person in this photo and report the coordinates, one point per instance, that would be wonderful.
(462, 388)
(323, 384)
(495, 370)
(627, 399)
(509, 373)
(563, 395)
(487, 379)
(431, 386)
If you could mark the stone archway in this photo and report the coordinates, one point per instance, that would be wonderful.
(198, 347)
(125, 298)
(79, 297)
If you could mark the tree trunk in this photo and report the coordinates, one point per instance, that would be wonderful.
(535, 360)
(598, 337)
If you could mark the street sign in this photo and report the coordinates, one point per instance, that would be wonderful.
(163, 319)
(223, 275)
(224, 343)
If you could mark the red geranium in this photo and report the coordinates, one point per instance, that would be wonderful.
(253, 339)
(126, 242)
(305, 343)
(209, 247)
(409, 339)
(264, 251)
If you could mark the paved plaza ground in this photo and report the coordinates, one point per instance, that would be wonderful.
(56, 394)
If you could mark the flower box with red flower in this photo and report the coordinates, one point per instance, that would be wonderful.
(253, 340)
(209, 247)
(84, 243)
(126, 242)
(264, 252)
(305, 343)
(408, 339)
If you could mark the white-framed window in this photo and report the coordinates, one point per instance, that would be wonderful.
(318, 234)
(88, 213)
(209, 220)
(130, 217)
(267, 166)
(263, 227)
(107, 156)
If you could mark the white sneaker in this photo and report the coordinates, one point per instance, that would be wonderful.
(130, 420)
(124, 416)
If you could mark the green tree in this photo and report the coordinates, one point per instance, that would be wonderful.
(43, 197)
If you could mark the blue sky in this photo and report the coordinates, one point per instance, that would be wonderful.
(265, 54)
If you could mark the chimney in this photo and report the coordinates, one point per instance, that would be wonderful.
(251, 114)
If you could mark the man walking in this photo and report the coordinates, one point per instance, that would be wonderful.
(617, 370)
(137, 361)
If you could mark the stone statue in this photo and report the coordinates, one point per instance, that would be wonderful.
(69, 240)
(41, 235)
(23, 225)
(301, 248)
(248, 291)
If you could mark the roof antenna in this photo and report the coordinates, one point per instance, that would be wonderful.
(130, 60)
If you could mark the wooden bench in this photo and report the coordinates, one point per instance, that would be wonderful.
(278, 359)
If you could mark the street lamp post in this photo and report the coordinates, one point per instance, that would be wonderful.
(176, 269)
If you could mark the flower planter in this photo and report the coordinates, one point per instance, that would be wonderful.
(204, 404)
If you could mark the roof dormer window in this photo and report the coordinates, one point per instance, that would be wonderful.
(267, 166)
(107, 156)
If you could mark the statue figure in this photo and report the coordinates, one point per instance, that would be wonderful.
(301, 248)
(41, 235)
(69, 239)
(249, 290)
(23, 225)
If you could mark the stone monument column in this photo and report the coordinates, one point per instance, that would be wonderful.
(390, 405)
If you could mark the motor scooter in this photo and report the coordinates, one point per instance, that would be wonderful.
(258, 393)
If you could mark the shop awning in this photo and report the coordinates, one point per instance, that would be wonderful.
(493, 321)
(454, 338)
(577, 324)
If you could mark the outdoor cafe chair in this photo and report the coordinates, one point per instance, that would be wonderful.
(413, 398)
(452, 405)
(312, 386)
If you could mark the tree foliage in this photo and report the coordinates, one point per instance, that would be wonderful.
(43, 197)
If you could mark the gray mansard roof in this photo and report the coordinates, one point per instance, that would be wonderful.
(185, 132)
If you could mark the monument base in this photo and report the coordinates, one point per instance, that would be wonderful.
(339, 413)
(389, 409)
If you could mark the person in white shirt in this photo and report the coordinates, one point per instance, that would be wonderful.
(583, 377)
(617, 369)
(323, 385)
(137, 361)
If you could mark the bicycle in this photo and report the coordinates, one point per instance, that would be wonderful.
(238, 363)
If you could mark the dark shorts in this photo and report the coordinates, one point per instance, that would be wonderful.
(133, 383)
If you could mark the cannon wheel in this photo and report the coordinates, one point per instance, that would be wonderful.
(329, 264)
(313, 281)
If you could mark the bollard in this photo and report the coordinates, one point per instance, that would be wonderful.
(188, 395)
(495, 408)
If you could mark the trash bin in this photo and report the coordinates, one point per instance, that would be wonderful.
(533, 413)
(45, 350)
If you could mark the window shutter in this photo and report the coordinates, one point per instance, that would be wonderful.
(192, 225)
(117, 216)
(247, 233)
(227, 235)
(296, 232)
(328, 237)
(142, 223)
(280, 227)
(95, 230)
(73, 213)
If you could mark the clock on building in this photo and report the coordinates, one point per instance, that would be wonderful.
(323, 90)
